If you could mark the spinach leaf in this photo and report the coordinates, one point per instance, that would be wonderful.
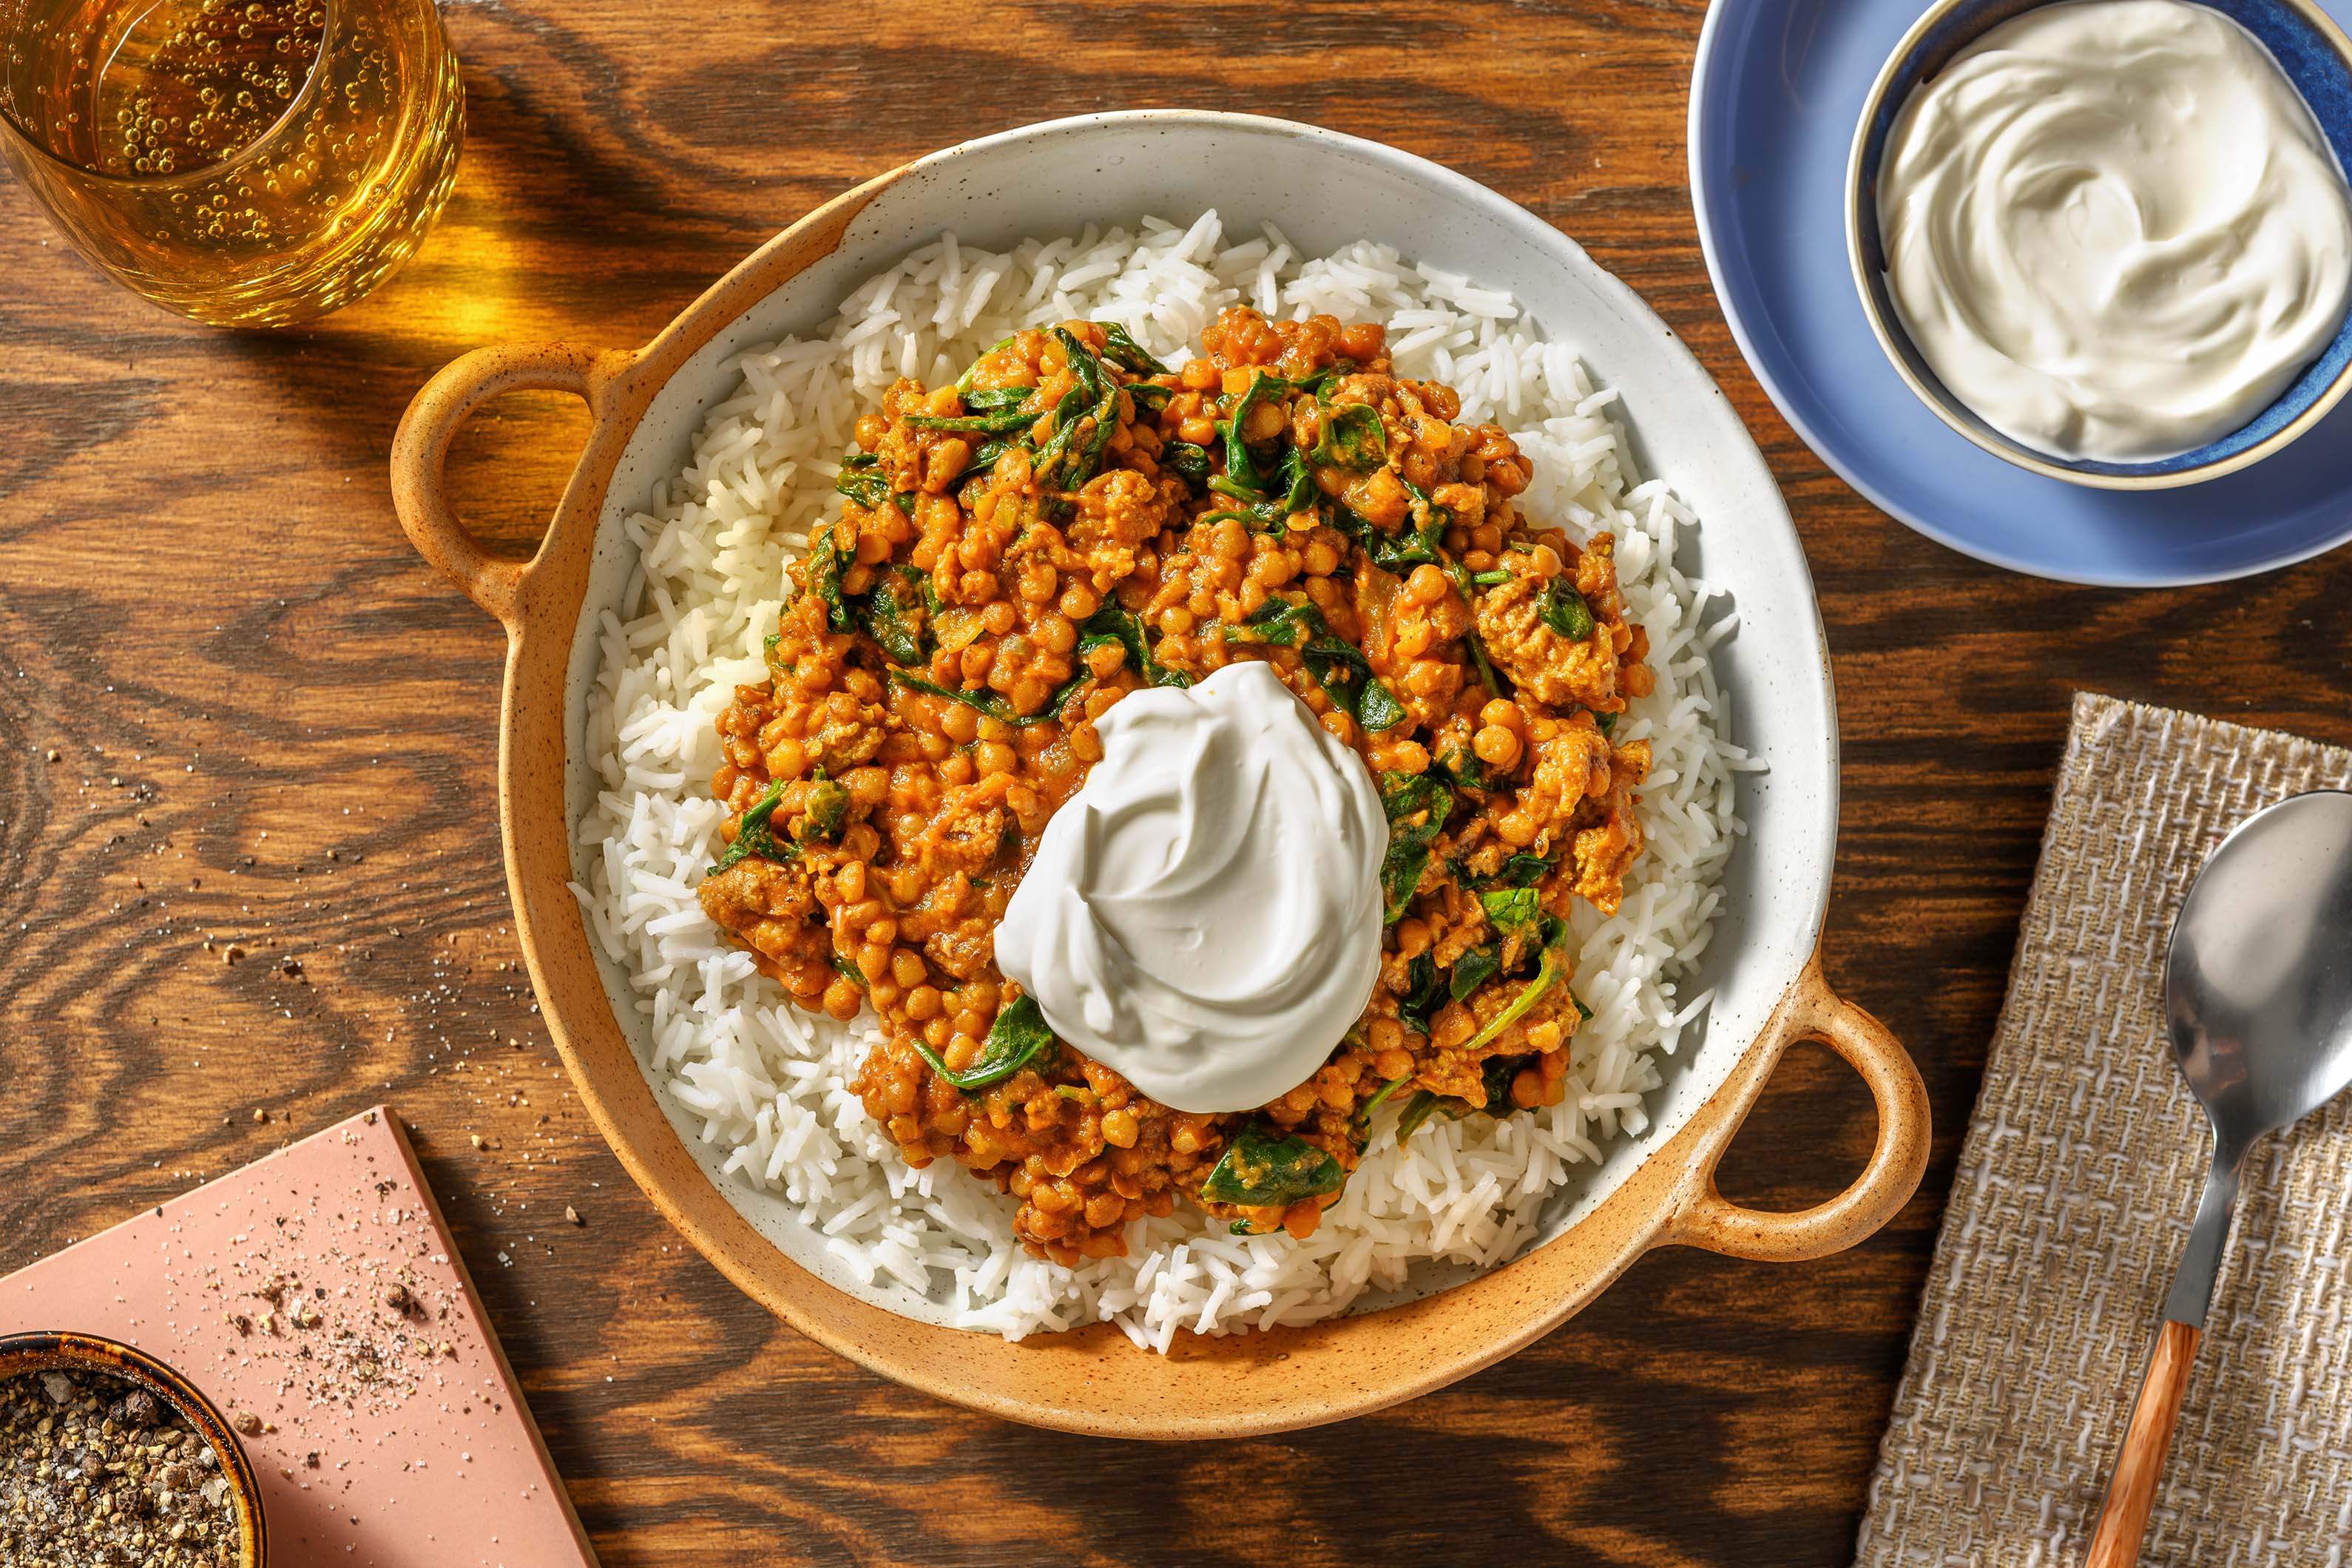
(1364, 1111)
(895, 619)
(828, 808)
(1086, 366)
(992, 704)
(1508, 908)
(1127, 353)
(1563, 609)
(1061, 462)
(1400, 551)
(1018, 1037)
(1510, 911)
(1416, 806)
(983, 460)
(1404, 550)
(1340, 668)
(1523, 870)
(1496, 1075)
(1187, 462)
(1461, 767)
(861, 481)
(1261, 1169)
(1066, 414)
(825, 580)
(991, 399)
(1345, 673)
(994, 422)
(1425, 996)
(1352, 437)
(1149, 396)
(963, 382)
(754, 837)
(1547, 974)
(1491, 579)
(1405, 793)
(846, 970)
(1105, 388)
(1433, 515)
(1462, 581)
(1239, 466)
(1377, 708)
(1282, 623)
(1605, 722)
(1111, 623)
(1105, 425)
(1416, 1111)
(1055, 453)
(1298, 494)
(1472, 970)
(1262, 513)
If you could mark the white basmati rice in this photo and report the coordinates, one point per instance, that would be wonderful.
(771, 1083)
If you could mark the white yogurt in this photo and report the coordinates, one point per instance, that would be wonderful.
(1204, 915)
(2114, 230)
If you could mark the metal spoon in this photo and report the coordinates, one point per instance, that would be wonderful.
(2258, 996)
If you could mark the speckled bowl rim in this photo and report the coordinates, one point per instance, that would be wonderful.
(1935, 27)
(23, 1355)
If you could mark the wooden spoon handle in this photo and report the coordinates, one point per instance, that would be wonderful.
(2131, 1490)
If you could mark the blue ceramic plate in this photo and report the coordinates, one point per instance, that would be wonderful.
(1776, 92)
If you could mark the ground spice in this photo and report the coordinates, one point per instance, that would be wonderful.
(97, 1472)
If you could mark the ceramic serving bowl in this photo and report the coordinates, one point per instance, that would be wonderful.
(22, 1355)
(2316, 58)
(1324, 190)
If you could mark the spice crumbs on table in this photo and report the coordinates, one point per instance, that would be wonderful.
(96, 1472)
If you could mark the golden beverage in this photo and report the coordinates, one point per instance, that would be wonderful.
(248, 163)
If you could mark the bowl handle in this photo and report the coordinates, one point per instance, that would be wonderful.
(1813, 1011)
(421, 447)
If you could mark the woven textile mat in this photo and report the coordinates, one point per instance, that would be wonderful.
(2079, 1177)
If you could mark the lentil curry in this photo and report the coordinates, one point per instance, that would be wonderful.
(1068, 522)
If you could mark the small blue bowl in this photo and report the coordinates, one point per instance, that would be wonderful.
(2317, 58)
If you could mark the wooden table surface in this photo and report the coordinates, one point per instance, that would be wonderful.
(236, 712)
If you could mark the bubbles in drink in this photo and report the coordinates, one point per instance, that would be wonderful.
(269, 166)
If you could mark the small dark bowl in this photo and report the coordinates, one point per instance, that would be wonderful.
(21, 1356)
(2317, 59)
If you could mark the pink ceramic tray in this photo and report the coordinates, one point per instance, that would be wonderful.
(315, 1297)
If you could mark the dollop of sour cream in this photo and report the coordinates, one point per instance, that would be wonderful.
(1203, 916)
(2114, 230)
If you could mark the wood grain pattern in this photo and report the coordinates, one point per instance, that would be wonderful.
(2140, 1465)
(235, 706)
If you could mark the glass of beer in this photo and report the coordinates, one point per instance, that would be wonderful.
(246, 162)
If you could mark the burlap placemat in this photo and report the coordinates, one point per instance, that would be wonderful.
(2076, 1185)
